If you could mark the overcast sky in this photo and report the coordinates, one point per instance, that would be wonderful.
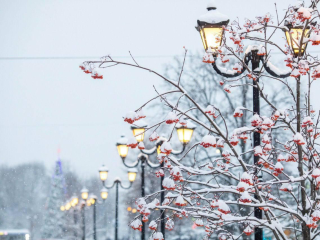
(49, 103)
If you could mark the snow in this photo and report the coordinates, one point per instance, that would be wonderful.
(122, 140)
(213, 16)
(103, 168)
(276, 70)
(211, 4)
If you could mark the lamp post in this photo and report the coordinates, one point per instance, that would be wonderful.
(210, 26)
(103, 172)
(74, 202)
(104, 196)
(184, 134)
(84, 196)
(92, 201)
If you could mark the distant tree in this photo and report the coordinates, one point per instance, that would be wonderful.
(53, 226)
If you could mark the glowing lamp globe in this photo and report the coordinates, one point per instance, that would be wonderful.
(210, 27)
(134, 210)
(129, 209)
(132, 174)
(138, 130)
(62, 208)
(185, 132)
(92, 199)
(88, 202)
(103, 172)
(294, 36)
(122, 146)
(84, 194)
(74, 201)
(104, 193)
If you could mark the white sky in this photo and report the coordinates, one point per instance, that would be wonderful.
(45, 104)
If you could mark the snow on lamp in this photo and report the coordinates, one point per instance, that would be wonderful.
(104, 193)
(294, 35)
(122, 146)
(210, 26)
(103, 172)
(185, 132)
(132, 174)
(84, 194)
(138, 130)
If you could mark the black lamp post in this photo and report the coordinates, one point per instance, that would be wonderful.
(210, 26)
(103, 172)
(84, 196)
(184, 135)
(92, 201)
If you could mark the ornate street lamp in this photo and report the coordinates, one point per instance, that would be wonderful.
(104, 193)
(184, 135)
(138, 130)
(84, 194)
(117, 182)
(103, 172)
(210, 26)
(122, 147)
(93, 201)
(185, 132)
(217, 20)
(294, 36)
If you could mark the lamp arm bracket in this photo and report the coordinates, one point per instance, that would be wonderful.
(124, 187)
(130, 166)
(175, 152)
(145, 160)
(272, 72)
(109, 187)
(149, 151)
(246, 59)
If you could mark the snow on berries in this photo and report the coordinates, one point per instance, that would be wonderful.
(246, 178)
(256, 120)
(166, 148)
(180, 201)
(248, 231)
(169, 225)
(130, 117)
(238, 112)
(242, 186)
(258, 151)
(199, 222)
(96, 73)
(281, 158)
(315, 173)
(176, 174)
(298, 139)
(208, 141)
(208, 57)
(315, 215)
(132, 142)
(141, 146)
(234, 140)
(237, 67)
(278, 167)
(136, 224)
(140, 114)
(304, 14)
(160, 173)
(227, 89)
(223, 207)
(158, 236)
(171, 118)
(286, 187)
(153, 137)
(153, 225)
(245, 197)
(168, 184)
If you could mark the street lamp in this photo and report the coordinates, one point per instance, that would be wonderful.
(184, 135)
(62, 208)
(93, 201)
(294, 36)
(184, 132)
(122, 147)
(103, 172)
(216, 19)
(210, 26)
(138, 130)
(67, 206)
(104, 193)
(74, 201)
(84, 196)
(131, 177)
